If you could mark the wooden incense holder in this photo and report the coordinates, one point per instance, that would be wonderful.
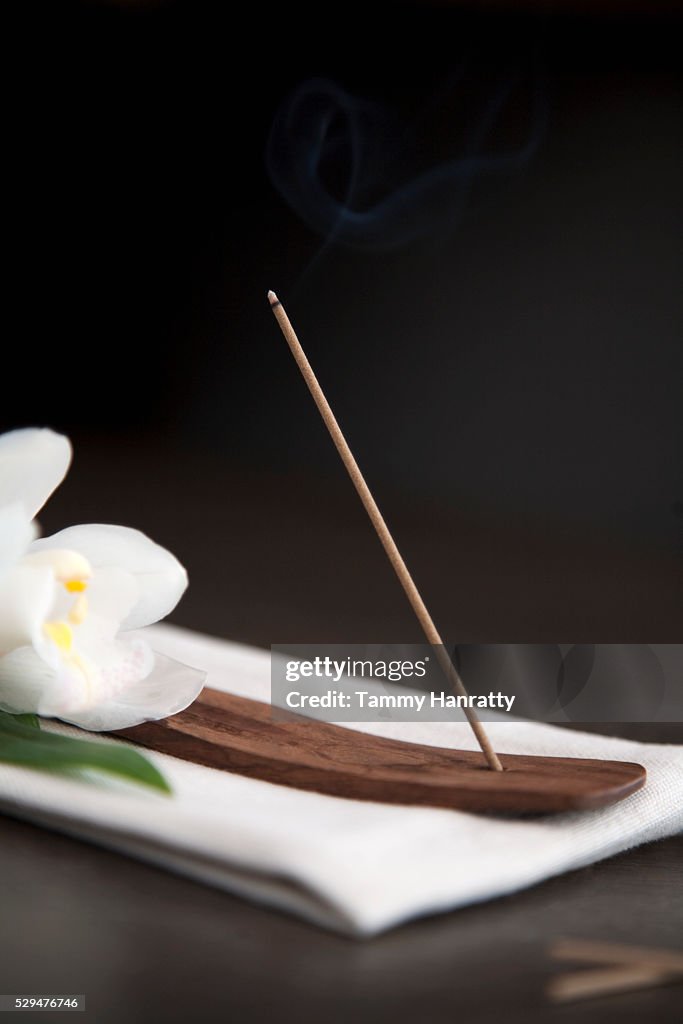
(241, 735)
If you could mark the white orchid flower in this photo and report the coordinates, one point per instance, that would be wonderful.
(68, 601)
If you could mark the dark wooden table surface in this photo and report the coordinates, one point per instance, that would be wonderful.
(273, 559)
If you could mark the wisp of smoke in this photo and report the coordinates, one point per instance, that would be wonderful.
(333, 158)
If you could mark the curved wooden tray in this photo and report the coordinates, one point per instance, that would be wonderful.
(239, 735)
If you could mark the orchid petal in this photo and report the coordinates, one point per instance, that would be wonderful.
(26, 597)
(85, 685)
(16, 533)
(160, 577)
(112, 594)
(168, 689)
(24, 679)
(33, 462)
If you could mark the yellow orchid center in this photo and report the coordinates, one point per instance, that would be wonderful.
(76, 586)
(73, 571)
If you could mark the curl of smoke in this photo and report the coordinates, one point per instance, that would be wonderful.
(321, 128)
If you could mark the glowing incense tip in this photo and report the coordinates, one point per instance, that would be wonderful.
(273, 299)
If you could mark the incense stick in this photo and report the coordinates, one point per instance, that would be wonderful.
(382, 529)
(662, 960)
(623, 969)
(606, 981)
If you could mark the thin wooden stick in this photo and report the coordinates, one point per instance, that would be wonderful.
(381, 528)
(614, 953)
(606, 981)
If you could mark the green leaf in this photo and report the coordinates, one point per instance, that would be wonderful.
(24, 744)
(31, 720)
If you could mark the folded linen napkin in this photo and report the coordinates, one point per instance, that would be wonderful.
(352, 866)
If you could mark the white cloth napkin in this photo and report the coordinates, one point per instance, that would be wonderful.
(352, 866)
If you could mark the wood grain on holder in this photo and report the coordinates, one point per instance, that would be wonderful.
(240, 735)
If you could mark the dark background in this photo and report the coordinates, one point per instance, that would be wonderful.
(504, 354)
